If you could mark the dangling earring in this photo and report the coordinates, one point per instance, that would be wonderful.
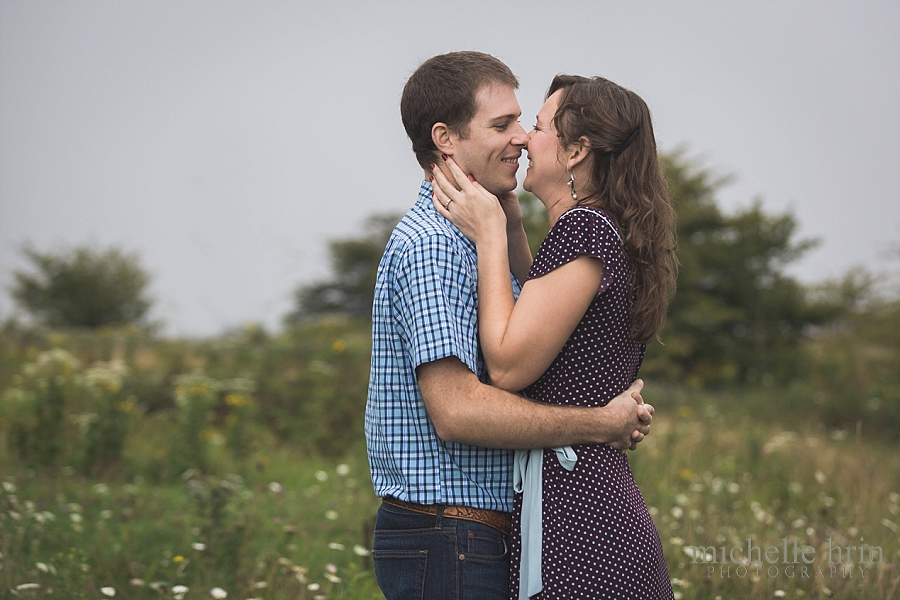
(572, 186)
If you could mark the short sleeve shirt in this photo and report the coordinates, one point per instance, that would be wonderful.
(425, 309)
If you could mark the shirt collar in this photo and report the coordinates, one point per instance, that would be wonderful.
(425, 204)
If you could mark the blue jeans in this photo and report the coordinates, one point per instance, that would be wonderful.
(427, 557)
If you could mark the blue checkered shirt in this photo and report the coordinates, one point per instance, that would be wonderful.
(425, 310)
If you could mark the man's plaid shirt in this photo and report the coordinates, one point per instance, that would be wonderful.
(425, 310)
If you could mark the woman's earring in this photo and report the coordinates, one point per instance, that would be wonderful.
(572, 186)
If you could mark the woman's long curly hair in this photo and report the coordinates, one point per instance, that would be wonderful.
(628, 183)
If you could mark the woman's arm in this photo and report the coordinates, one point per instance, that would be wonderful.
(520, 258)
(519, 339)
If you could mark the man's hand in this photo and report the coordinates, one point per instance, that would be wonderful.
(629, 417)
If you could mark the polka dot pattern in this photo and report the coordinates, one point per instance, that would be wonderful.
(599, 539)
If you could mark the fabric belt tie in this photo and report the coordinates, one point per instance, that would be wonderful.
(528, 481)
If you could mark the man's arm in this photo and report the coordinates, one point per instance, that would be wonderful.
(465, 410)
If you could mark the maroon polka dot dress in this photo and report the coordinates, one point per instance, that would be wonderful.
(599, 539)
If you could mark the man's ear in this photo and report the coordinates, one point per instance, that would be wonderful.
(443, 138)
(577, 152)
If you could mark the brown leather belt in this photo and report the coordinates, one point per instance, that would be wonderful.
(501, 521)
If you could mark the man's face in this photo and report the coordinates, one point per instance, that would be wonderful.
(491, 150)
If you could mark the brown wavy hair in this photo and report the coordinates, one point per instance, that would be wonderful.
(626, 181)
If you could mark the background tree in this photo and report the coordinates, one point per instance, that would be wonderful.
(354, 265)
(83, 287)
(736, 316)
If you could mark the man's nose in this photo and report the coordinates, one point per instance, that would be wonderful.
(520, 137)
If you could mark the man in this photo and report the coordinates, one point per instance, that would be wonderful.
(438, 436)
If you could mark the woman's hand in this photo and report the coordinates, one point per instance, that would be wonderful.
(473, 209)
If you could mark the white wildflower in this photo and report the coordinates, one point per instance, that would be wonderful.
(321, 475)
(335, 546)
(218, 593)
(180, 589)
(343, 469)
(27, 586)
(360, 551)
(313, 587)
(276, 488)
(331, 515)
(9, 487)
(199, 547)
(108, 591)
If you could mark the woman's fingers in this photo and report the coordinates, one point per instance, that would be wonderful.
(461, 178)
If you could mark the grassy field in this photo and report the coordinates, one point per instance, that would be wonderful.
(235, 468)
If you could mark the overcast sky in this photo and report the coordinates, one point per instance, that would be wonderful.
(227, 141)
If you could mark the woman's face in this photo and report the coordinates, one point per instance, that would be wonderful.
(546, 169)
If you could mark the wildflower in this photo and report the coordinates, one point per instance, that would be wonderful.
(360, 551)
(331, 568)
(332, 578)
(343, 469)
(27, 586)
(42, 567)
(180, 589)
(733, 488)
(101, 489)
(260, 585)
(780, 593)
(198, 546)
(338, 346)
(136, 582)
(108, 591)
(677, 595)
(820, 476)
(676, 541)
(178, 558)
(331, 515)
(321, 475)
(795, 487)
(313, 587)
(76, 518)
(895, 497)
(685, 473)
(276, 488)
(14, 515)
(218, 593)
(677, 512)
(9, 487)
(681, 499)
(335, 546)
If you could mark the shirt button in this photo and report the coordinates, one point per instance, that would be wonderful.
(462, 557)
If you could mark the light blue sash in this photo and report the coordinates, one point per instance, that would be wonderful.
(527, 480)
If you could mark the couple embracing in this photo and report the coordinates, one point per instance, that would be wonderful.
(499, 412)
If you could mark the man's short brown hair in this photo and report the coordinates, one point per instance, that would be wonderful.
(442, 90)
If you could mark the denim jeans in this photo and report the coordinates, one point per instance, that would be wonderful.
(428, 557)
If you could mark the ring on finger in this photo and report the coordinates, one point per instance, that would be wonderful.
(448, 203)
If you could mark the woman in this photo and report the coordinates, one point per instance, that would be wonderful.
(596, 293)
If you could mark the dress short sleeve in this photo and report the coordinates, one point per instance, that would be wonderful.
(582, 231)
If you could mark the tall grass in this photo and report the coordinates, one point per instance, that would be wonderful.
(166, 468)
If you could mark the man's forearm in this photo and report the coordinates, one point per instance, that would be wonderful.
(464, 410)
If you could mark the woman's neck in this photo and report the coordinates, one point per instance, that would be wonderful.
(558, 204)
